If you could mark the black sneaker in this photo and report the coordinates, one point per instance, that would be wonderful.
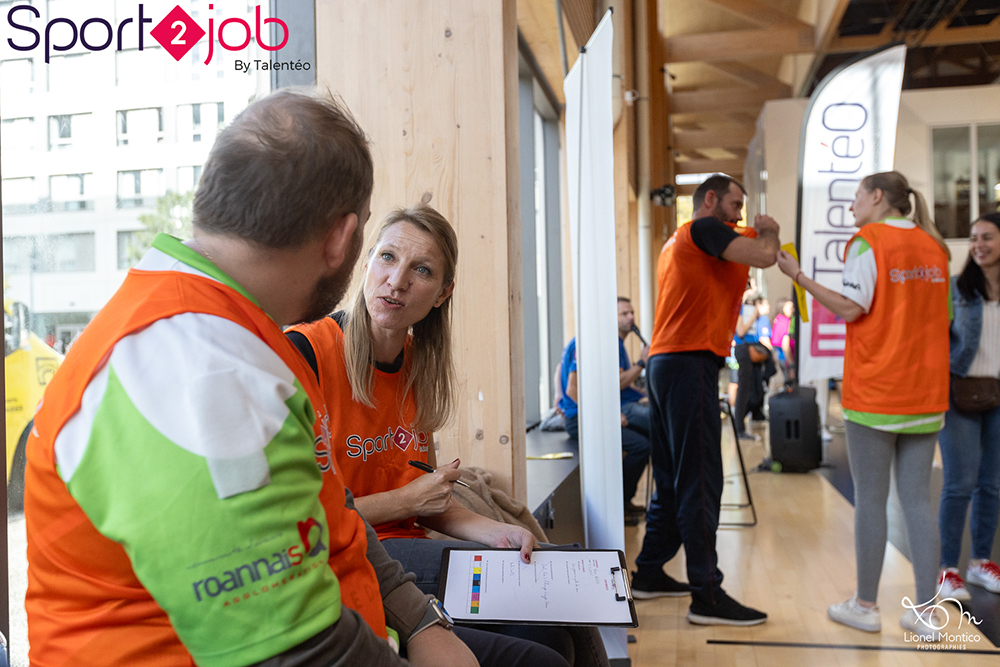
(657, 584)
(726, 611)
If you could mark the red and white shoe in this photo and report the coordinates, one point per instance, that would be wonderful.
(986, 574)
(950, 585)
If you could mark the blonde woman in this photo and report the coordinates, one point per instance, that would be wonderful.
(896, 305)
(385, 368)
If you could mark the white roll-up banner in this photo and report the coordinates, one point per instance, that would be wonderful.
(849, 132)
(590, 175)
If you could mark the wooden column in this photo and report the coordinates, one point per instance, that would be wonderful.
(434, 84)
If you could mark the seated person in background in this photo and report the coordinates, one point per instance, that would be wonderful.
(635, 443)
(635, 405)
(388, 390)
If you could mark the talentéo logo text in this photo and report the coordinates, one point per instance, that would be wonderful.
(177, 33)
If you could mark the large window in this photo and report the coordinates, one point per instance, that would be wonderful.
(139, 188)
(93, 146)
(140, 126)
(69, 74)
(541, 247)
(57, 253)
(71, 192)
(966, 175)
(17, 77)
(18, 134)
(69, 130)
(200, 122)
(988, 163)
(20, 195)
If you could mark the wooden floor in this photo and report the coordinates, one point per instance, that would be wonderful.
(797, 560)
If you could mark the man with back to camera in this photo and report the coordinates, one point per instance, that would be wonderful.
(702, 273)
(172, 494)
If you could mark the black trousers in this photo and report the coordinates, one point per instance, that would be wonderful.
(687, 466)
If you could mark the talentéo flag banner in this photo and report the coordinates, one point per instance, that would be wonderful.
(849, 132)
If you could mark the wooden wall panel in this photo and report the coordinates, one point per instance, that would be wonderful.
(434, 84)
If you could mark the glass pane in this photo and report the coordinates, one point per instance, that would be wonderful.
(66, 242)
(952, 174)
(988, 137)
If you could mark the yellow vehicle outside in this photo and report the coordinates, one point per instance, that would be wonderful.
(28, 366)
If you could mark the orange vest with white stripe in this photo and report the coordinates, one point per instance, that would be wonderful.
(85, 605)
(372, 446)
(896, 359)
(699, 296)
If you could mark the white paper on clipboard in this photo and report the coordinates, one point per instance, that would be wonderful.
(558, 586)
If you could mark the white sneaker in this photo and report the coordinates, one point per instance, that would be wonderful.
(927, 625)
(986, 575)
(851, 613)
(950, 585)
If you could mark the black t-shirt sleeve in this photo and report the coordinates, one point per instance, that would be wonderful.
(305, 347)
(712, 236)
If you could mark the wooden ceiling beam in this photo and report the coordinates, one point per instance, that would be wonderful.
(740, 44)
(829, 32)
(941, 35)
(758, 13)
(710, 166)
(728, 137)
(724, 99)
(749, 75)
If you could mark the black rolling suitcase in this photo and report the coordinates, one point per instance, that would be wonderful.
(795, 439)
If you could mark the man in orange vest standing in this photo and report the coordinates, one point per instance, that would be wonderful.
(702, 273)
(174, 506)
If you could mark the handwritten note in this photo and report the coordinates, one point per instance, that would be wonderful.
(571, 586)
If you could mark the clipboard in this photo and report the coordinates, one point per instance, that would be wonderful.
(559, 587)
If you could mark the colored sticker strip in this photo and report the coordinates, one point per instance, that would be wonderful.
(476, 579)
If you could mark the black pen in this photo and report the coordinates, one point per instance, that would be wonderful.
(420, 465)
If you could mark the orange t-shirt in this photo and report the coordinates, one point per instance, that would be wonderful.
(896, 359)
(699, 296)
(85, 604)
(372, 446)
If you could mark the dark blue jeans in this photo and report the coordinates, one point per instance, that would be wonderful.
(687, 467)
(636, 449)
(638, 417)
(970, 452)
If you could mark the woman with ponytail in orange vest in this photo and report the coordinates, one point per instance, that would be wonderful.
(896, 304)
(385, 368)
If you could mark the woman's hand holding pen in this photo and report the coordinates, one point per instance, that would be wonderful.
(430, 494)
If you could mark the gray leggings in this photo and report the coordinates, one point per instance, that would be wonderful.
(871, 454)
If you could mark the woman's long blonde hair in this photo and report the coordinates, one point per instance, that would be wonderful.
(430, 373)
(897, 193)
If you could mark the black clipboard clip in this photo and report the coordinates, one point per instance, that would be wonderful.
(625, 585)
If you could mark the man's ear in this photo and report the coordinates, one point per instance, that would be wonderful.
(711, 199)
(445, 293)
(338, 240)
